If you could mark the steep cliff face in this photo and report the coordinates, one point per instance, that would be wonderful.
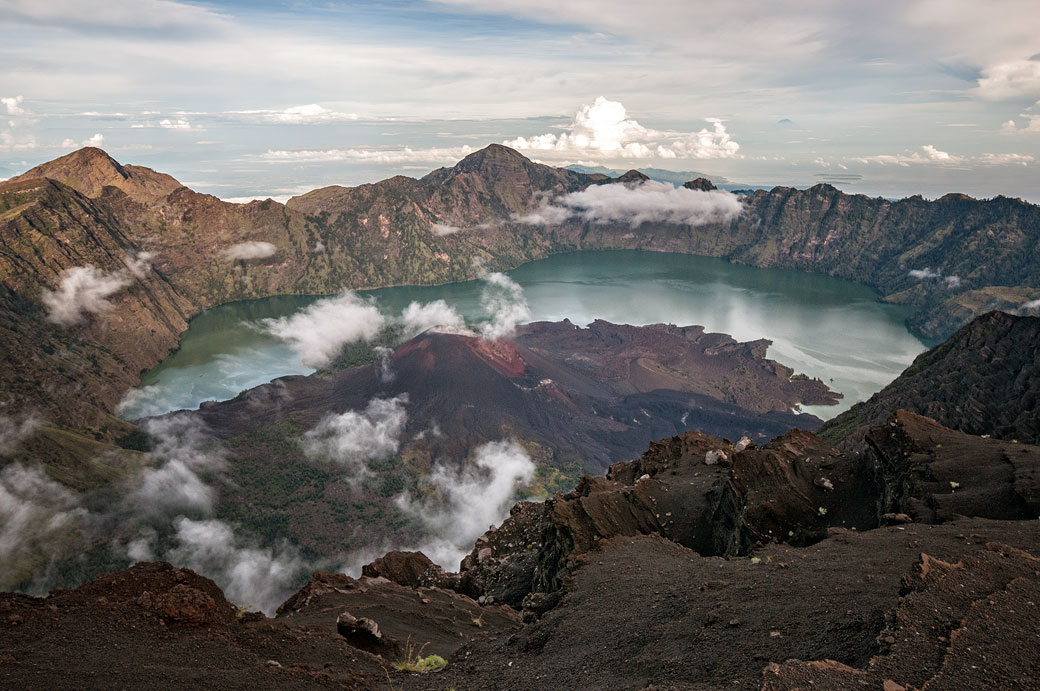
(985, 379)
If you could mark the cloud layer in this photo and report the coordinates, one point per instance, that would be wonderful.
(417, 317)
(649, 202)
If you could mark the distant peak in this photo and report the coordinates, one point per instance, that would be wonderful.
(703, 184)
(90, 169)
(495, 152)
(632, 176)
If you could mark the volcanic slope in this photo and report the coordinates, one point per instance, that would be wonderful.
(985, 379)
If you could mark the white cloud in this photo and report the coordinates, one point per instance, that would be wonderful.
(384, 155)
(1031, 305)
(252, 249)
(296, 115)
(417, 318)
(1010, 80)
(252, 576)
(649, 202)
(95, 140)
(503, 300)
(351, 438)
(442, 229)
(82, 290)
(952, 282)
(36, 513)
(175, 124)
(604, 130)
(1005, 159)
(318, 332)
(166, 15)
(13, 105)
(930, 155)
(467, 501)
(15, 431)
(174, 486)
(925, 273)
(139, 265)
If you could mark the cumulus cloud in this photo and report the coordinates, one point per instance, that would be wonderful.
(503, 300)
(1031, 305)
(603, 129)
(38, 519)
(351, 438)
(13, 105)
(96, 140)
(82, 290)
(467, 501)
(417, 318)
(251, 249)
(16, 430)
(1010, 80)
(925, 273)
(183, 451)
(319, 332)
(250, 575)
(952, 282)
(442, 229)
(385, 155)
(309, 114)
(649, 202)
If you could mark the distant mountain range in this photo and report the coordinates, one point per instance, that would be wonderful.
(671, 177)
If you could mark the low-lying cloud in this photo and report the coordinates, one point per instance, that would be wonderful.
(38, 520)
(442, 229)
(925, 273)
(82, 290)
(469, 500)
(253, 576)
(503, 300)
(351, 438)
(252, 249)
(648, 202)
(16, 430)
(319, 332)
(417, 317)
(174, 486)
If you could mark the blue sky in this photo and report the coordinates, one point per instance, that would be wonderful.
(242, 99)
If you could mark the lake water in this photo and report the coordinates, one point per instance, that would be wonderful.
(822, 326)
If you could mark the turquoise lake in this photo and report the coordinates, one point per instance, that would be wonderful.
(822, 326)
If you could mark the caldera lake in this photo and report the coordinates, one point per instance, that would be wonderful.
(820, 326)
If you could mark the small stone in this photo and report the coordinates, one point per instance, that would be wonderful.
(890, 640)
(273, 663)
(734, 622)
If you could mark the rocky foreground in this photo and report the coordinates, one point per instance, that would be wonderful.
(700, 565)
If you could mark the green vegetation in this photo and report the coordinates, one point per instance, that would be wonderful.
(413, 661)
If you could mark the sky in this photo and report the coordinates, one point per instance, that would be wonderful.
(276, 97)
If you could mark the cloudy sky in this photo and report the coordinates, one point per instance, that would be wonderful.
(274, 97)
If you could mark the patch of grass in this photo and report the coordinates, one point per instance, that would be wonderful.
(413, 660)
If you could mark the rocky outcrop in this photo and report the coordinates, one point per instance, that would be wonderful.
(700, 492)
(933, 473)
(985, 379)
(718, 498)
(385, 618)
(410, 569)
